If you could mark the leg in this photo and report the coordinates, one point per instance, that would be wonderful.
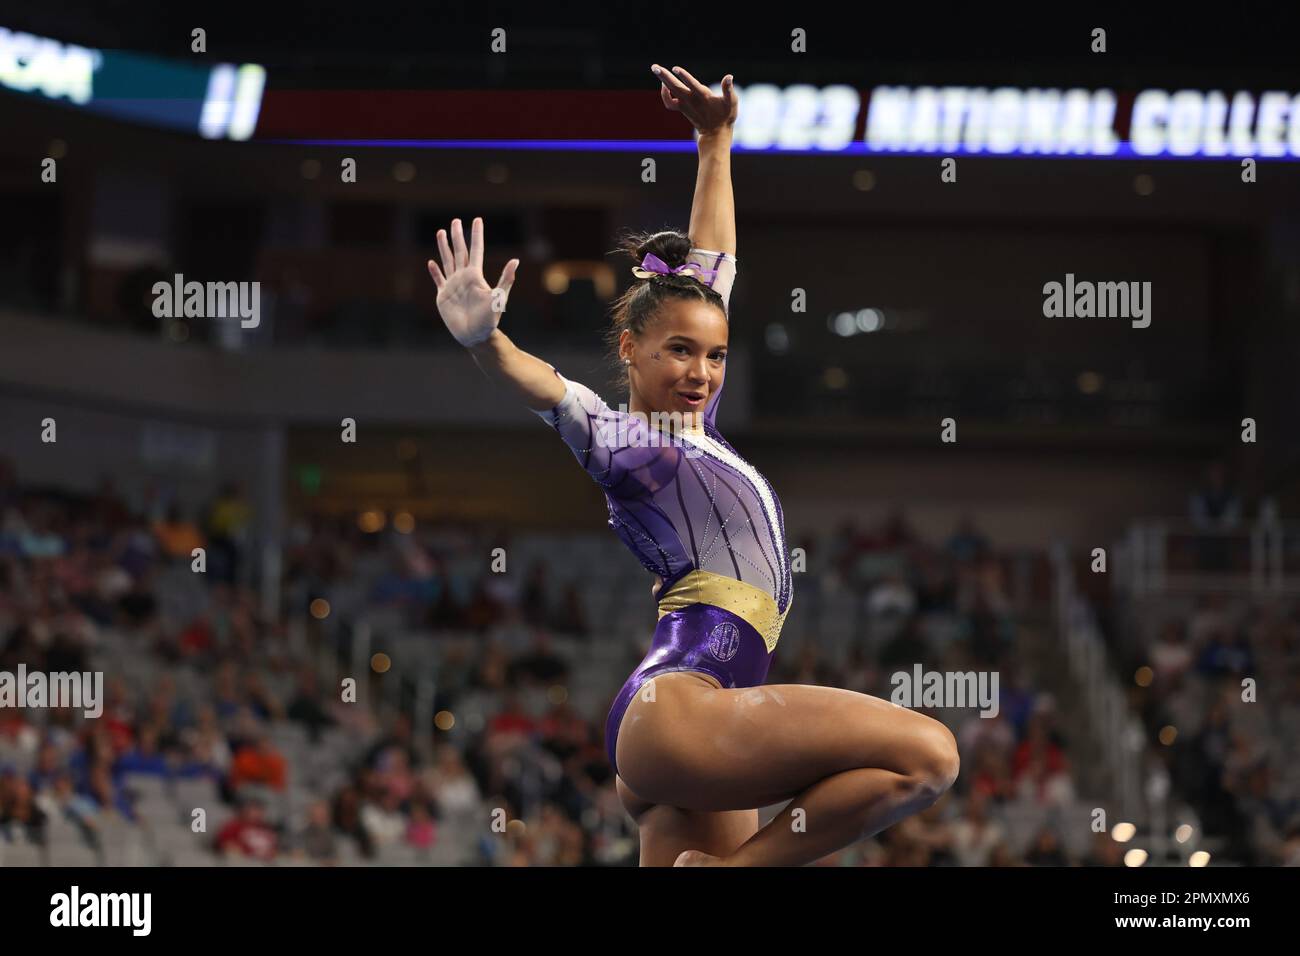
(851, 764)
(666, 832)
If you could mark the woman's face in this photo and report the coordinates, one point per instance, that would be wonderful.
(679, 361)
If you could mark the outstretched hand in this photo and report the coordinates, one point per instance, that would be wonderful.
(469, 307)
(706, 110)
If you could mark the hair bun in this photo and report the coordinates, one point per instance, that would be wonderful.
(669, 245)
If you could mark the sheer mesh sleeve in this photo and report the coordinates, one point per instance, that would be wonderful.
(615, 448)
(725, 265)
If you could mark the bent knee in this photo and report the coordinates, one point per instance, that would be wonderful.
(936, 761)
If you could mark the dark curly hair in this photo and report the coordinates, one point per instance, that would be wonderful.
(636, 308)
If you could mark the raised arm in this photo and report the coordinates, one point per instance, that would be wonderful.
(613, 447)
(472, 310)
(713, 211)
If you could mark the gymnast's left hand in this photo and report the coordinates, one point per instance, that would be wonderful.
(707, 111)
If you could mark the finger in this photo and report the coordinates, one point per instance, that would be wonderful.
(438, 278)
(476, 243)
(728, 89)
(667, 97)
(695, 84)
(458, 244)
(444, 250)
(675, 86)
(508, 276)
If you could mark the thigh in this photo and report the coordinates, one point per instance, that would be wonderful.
(690, 744)
(664, 831)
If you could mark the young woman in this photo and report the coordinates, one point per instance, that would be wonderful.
(696, 743)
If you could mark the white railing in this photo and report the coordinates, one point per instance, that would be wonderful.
(1164, 555)
(1116, 731)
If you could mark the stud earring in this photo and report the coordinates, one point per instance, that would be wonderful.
(627, 361)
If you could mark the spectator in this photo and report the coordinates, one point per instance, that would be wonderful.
(1046, 849)
(393, 772)
(346, 817)
(307, 708)
(107, 794)
(1171, 655)
(535, 601)
(317, 841)
(421, 832)
(19, 811)
(975, 835)
(890, 604)
(978, 732)
(967, 543)
(1215, 509)
(258, 763)
(177, 536)
(511, 723)
(144, 758)
(60, 799)
(483, 610)
(453, 787)
(400, 736)
(905, 650)
(559, 841)
(1215, 504)
(1001, 855)
(542, 665)
(570, 618)
(383, 820)
(991, 777)
(138, 607)
(47, 767)
(1270, 811)
(227, 526)
(248, 834)
(1038, 768)
(1104, 851)
(1219, 658)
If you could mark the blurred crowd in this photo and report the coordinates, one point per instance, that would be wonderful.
(1218, 689)
(202, 692)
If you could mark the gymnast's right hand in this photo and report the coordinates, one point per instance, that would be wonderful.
(469, 307)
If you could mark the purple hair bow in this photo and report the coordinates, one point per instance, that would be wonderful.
(652, 265)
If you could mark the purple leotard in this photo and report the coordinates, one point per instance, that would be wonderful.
(699, 516)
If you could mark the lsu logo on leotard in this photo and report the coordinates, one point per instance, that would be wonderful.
(724, 641)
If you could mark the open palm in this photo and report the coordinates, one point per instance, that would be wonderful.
(469, 307)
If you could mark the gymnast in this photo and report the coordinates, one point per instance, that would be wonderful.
(697, 741)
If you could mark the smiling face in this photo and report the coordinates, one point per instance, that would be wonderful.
(679, 361)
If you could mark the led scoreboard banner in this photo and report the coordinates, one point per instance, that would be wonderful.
(223, 101)
(1025, 122)
(218, 102)
(898, 120)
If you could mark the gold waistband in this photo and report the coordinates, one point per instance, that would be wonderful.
(750, 603)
